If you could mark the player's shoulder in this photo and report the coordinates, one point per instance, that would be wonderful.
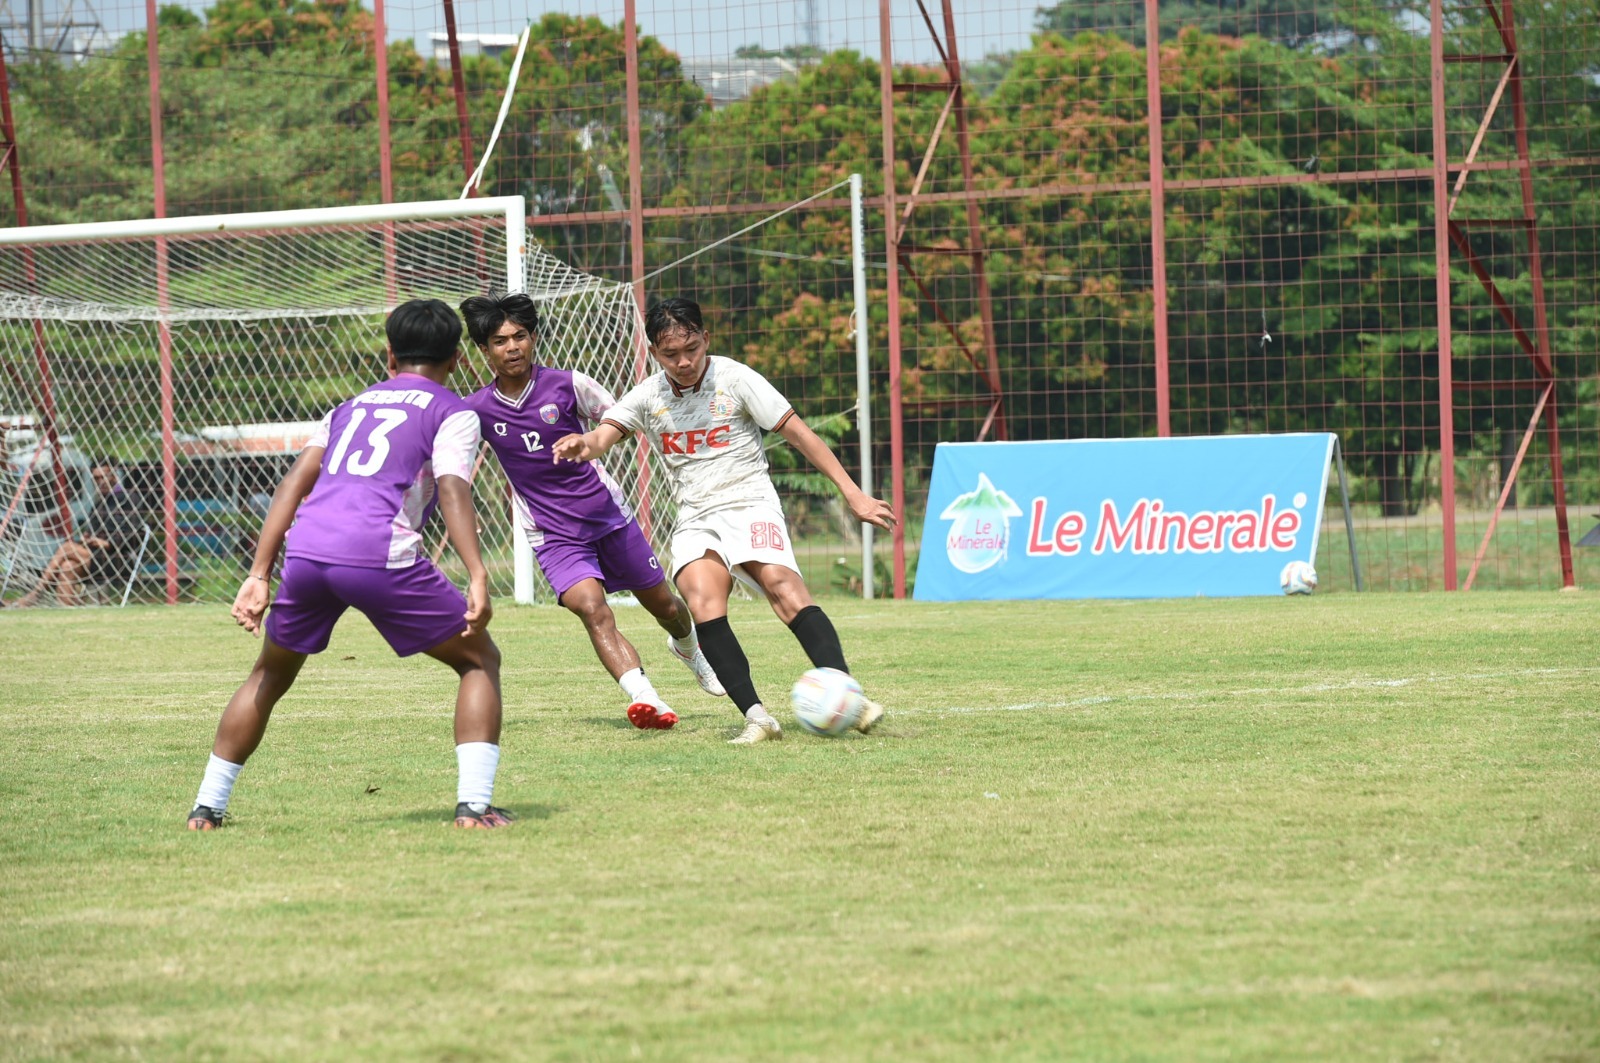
(449, 401)
(652, 386)
(726, 369)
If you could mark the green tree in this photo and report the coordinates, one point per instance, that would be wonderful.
(1290, 22)
(564, 145)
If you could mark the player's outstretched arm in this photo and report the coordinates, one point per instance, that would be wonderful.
(250, 604)
(592, 444)
(461, 524)
(866, 509)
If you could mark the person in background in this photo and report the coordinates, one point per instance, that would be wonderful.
(104, 549)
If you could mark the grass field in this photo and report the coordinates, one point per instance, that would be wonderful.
(1351, 827)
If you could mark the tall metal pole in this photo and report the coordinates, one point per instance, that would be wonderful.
(891, 240)
(1541, 320)
(858, 268)
(380, 54)
(641, 363)
(169, 447)
(975, 244)
(1441, 261)
(458, 86)
(41, 356)
(1158, 215)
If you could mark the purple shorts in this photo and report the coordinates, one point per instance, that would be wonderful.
(622, 560)
(414, 608)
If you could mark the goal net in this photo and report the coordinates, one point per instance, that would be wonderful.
(198, 354)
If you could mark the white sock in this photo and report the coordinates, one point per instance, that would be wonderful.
(759, 714)
(217, 786)
(688, 644)
(638, 687)
(476, 763)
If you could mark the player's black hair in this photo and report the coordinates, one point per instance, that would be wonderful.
(672, 313)
(423, 330)
(486, 313)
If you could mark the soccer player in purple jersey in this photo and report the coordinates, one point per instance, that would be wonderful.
(576, 517)
(357, 497)
(705, 415)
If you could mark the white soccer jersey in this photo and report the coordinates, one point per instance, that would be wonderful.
(709, 435)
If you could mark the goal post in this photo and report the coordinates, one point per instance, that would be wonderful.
(198, 352)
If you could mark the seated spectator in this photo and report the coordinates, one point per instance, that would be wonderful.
(105, 547)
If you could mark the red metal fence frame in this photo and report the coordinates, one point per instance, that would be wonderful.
(900, 253)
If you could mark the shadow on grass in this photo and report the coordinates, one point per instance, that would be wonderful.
(524, 813)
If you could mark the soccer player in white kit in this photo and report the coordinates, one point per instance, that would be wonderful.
(705, 415)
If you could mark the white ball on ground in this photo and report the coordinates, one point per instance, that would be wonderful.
(826, 702)
(1298, 577)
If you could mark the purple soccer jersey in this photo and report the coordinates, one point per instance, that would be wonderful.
(376, 488)
(575, 501)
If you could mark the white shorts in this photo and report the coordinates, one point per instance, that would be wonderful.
(750, 533)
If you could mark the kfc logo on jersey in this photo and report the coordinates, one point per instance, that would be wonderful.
(549, 413)
(695, 439)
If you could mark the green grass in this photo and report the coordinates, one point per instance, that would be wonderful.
(1351, 827)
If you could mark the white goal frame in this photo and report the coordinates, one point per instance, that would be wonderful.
(138, 294)
(511, 211)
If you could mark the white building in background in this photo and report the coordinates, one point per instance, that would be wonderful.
(734, 78)
(723, 80)
(488, 44)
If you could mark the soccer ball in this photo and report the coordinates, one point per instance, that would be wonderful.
(1298, 577)
(826, 701)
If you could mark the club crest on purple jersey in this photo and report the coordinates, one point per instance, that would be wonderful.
(549, 413)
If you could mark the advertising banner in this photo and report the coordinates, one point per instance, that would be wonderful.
(1216, 516)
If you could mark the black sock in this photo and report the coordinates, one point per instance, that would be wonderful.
(818, 638)
(722, 649)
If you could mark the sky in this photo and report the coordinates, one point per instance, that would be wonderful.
(692, 28)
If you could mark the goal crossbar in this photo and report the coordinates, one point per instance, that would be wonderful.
(512, 208)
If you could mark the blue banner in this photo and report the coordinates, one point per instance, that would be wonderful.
(1216, 516)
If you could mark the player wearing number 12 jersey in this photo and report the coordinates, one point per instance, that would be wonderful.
(374, 471)
(579, 524)
(705, 416)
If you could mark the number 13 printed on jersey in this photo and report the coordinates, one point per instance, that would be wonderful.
(365, 463)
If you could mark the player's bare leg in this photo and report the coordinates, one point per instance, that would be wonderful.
(586, 600)
(244, 722)
(63, 573)
(672, 614)
(245, 719)
(706, 584)
(791, 600)
(476, 659)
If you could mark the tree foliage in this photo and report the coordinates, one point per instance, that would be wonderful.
(1297, 305)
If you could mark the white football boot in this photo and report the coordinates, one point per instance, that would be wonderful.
(755, 731)
(871, 713)
(704, 674)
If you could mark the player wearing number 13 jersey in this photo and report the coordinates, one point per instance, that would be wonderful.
(358, 496)
(705, 416)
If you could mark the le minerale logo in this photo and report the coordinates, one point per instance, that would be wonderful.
(982, 527)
